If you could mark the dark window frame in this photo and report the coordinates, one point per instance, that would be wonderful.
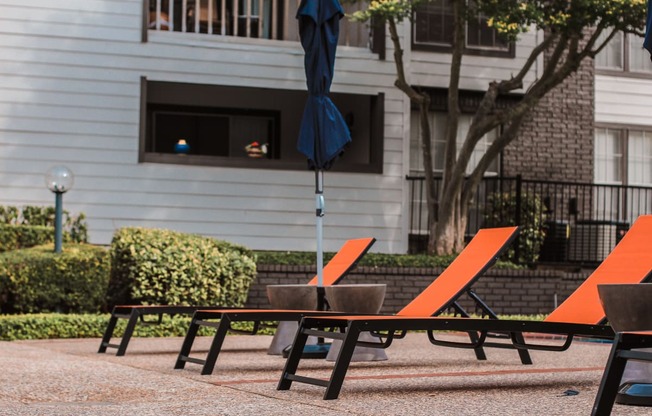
(375, 139)
(444, 47)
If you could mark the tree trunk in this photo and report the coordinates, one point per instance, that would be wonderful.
(451, 228)
(447, 231)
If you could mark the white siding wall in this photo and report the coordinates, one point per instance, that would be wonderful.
(432, 69)
(623, 100)
(70, 94)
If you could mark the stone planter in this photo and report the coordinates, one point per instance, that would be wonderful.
(629, 308)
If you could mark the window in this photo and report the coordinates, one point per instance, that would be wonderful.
(438, 128)
(639, 157)
(623, 156)
(212, 132)
(248, 127)
(624, 53)
(608, 164)
(433, 30)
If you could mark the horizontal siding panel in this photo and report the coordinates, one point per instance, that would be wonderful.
(51, 153)
(69, 113)
(69, 72)
(40, 81)
(203, 174)
(242, 212)
(59, 126)
(70, 141)
(86, 30)
(243, 218)
(209, 191)
(125, 16)
(99, 6)
(68, 99)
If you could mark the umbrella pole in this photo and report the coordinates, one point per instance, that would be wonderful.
(319, 203)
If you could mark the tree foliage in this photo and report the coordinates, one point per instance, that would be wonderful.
(574, 30)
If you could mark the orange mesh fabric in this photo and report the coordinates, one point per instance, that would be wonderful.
(629, 262)
(340, 264)
(487, 244)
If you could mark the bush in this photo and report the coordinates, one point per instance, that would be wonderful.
(14, 237)
(502, 212)
(34, 226)
(51, 326)
(152, 266)
(39, 280)
(368, 260)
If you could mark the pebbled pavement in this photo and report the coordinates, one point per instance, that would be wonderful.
(68, 377)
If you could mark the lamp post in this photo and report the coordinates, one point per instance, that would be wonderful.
(58, 179)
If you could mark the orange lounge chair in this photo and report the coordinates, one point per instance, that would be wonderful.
(338, 267)
(581, 314)
(477, 257)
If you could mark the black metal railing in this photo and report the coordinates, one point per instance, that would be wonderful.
(257, 19)
(581, 222)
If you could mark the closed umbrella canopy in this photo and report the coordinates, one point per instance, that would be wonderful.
(323, 134)
(647, 43)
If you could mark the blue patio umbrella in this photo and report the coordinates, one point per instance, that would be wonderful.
(323, 134)
(647, 43)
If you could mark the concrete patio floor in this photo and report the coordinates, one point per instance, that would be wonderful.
(68, 377)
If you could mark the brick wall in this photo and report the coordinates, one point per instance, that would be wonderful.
(556, 142)
(505, 291)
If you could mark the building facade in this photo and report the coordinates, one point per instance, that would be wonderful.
(111, 88)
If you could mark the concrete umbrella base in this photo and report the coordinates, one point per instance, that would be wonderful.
(629, 308)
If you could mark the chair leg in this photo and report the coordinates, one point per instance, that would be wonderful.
(108, 333)
(216, 345)
(522, 353)
(129, 331)
(292, 362)
(479, 351)
(342, 363)
(613, 373)
(191, 334)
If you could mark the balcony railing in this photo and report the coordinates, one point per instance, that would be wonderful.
(582, 222)
(258, 19)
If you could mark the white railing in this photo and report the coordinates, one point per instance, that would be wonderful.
(261, 19)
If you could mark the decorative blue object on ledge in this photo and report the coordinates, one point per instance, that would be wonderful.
(181, 147)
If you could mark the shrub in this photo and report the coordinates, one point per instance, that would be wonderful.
(153, 266)
(368, 260)
(34, 226)
(39, 280)
(14, 237)
(53, 325)
(502, 212)
(50, 326)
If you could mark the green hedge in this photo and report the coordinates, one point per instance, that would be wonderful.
(369, 260)
(39, 280)
(33, 225)
(51, 326)
(153, 266)
(14, 237)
